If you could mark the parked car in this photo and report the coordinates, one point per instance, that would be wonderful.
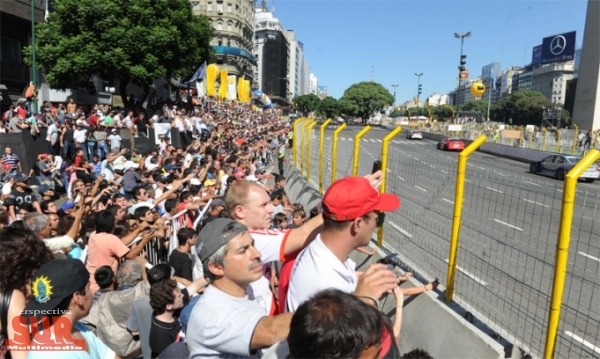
(451, 144)
(414, 135)
(558, 166)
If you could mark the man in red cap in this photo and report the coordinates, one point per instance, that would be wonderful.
(351, 208)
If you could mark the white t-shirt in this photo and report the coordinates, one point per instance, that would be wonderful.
(79, 135)
(220, 325)
(7, 188)
(317, 268)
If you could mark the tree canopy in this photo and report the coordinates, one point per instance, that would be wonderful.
(364, 99)
(129, 41)
(524, 107)
(307, 103)
(329, 107)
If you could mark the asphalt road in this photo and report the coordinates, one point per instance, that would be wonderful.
(510, 225)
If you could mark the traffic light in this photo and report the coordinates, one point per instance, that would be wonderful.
(463, 62)
(420, 89)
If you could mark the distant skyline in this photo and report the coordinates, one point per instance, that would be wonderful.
(349, 41)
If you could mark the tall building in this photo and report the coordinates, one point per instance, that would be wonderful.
(438, 99)
(232, 21)
(298, 66)
(551, 80)
(272, 51)
(313, 84)
(507, 81)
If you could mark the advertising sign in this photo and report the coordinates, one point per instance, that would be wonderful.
(536, 55)
(464, 75)
(558, 48)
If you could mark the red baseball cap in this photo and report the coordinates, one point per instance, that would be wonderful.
(353, 197)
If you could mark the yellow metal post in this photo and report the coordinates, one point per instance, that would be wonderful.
(562, 248)
(574, 150)
(334, 152)
(557, 141)
(357, 148)
(596, 140)
(308, 150)
(321, 151)
(296, 138)
(458, 199)
(384, 157)
(302, 134)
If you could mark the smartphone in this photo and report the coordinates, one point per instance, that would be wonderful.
(376, 166)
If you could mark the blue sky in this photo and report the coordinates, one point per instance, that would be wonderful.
(343, 39)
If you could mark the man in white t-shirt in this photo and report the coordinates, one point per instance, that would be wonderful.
(232, 317)
(352, 209)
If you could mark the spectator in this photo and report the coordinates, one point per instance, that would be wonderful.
(16, 275)
(10, 161)
(106, 280)
(232, 318)
(52, 138)
(21, 195)
(101, 138)
(67, 141)
(165, 299)
(70, 295)
(71, 107)
(180, 257)
(351, 209)
(114, 140)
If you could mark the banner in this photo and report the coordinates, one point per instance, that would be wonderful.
(160, 130)
(246, 91)
(240, 86)
(212, 71)
(231, 90)
(201, 88)
(223, 86)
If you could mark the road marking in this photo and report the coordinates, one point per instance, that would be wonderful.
(533, 184)
(508, 225)
(343, 138)
(501, 174)
(400, 178)
(396, 142)
(421, 188)
(589, 256)
(591, 219)
(583, 341)
(387, 169)
(379, 140)
(372, 140)
(447, 200)
(534, 202)
(470, 275)
(395, 226)
(444, 171)
(468, 181)
(494, 190)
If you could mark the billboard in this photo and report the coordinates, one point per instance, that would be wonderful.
(536, 55)
(558, 48)
(464, 75)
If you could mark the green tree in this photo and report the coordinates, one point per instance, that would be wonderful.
(364, 99)
(524, 108)
(307, 103)
(328, 107)
(129, 41)
(475, 106)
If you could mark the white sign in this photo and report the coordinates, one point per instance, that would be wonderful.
(457, 128)
(530, 128)
(161, 129)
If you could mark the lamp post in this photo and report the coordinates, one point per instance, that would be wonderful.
(418, 87)
(394, 86)
(462, 63)
(34, 107)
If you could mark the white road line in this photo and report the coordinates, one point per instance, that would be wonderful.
(533, 184)
(421, 188)
(447, 200)
(589, 256)
(444, 171)
(576, 337)
(379, 140)
(494, 190)
(534, 202)
(468, 181)
(470, 275)
(343, 138)
(388, 170)
(372, 140)
(400, 178)
(396, 142)
(508, 225)
(591, 219)
(395, 226)
(501, 174)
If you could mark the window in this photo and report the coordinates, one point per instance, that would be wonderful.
(11, 50)
(219, 7)
(229, 26)
(220, 26)
(196, 5)
(209, 7)
(228, 7)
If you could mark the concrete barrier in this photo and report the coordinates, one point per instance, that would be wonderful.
(428, 322)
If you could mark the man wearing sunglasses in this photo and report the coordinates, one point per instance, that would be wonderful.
(352, 209)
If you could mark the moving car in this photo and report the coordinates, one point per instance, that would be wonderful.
(558, 166)
(451, 143)
(414, 135)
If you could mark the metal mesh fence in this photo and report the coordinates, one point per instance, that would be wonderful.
(508, 235)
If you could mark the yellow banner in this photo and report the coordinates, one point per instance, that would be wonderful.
(223, 87)
(211, 76)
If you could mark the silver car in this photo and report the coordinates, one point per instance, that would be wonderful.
(558, 166)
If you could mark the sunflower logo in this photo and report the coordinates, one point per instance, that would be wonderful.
(42, 289)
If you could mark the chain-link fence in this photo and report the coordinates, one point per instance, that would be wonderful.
(508, 239)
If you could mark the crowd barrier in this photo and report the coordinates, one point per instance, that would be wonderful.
(503, 266)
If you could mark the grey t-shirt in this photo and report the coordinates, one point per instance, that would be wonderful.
(100, 136)
(140, 320)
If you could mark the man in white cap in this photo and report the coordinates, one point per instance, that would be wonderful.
(114, 141)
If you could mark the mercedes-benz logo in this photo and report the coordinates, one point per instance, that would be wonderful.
(558, 45)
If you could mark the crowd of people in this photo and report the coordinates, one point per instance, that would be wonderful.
(190, 251)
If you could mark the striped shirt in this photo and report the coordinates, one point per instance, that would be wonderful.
(10, 160)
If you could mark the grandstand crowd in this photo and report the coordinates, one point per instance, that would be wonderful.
(189, 251)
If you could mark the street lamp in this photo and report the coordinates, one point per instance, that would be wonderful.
(394, 86)
(34, 107)
(462, 63)
(279, 78)
(418, 87)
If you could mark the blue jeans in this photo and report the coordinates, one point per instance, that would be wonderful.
(102, 150)
(91, 150)
(69, 149)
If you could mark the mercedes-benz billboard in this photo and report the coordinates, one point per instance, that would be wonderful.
(558, 48)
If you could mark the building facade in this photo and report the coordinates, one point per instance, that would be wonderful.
(313, 84)
(551, 80)
(233, 22)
